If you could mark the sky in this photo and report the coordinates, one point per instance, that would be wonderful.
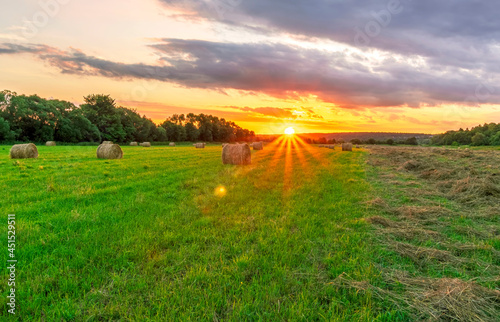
(316, 65)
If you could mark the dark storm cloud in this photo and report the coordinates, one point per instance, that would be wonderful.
(284, 71)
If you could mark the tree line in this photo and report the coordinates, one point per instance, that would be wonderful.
(371, 141)
(35, 119)
(487, 134)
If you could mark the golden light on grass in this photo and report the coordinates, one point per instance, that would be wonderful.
(220, 191)
(289, 131)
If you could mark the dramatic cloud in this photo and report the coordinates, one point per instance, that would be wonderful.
(461, 29)
(345, 78)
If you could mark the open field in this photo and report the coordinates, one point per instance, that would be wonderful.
(304, 233)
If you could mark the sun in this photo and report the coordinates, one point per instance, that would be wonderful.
(290, 131)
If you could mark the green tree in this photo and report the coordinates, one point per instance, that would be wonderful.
(75, 127)
(101, 111)
(411, 141)
(5, 133)
(192, 133)
(495, 139)
(479, 139)
(31, 118)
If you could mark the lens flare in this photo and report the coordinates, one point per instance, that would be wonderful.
(220, 191)
(290, 131)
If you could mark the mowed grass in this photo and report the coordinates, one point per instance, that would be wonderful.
(151, 236)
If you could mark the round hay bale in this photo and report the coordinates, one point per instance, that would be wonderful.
(50, 143)
(107, 142)
(258, 146)
(134, 144)
(109, 151)
(331, 147)
(200, 145)
(172, 144)
(224, 144)
(347, 147)
(238, 154)
(24, 151)
(146, 144)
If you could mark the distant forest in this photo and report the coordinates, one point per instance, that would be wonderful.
(35, 119)
(487, 134)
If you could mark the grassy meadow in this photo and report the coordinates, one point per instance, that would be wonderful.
(304, 233)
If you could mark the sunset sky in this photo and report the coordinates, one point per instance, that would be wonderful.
(315, 65)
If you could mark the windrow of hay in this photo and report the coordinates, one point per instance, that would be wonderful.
(134, 144)
(436, 299)
(199, 145)
(50, 143)
(172, 144)
(347, 147)
(422, 212)
(470, 188)
(24, 151)
(107, 142)
(146, 144)
(410, 165)
(384, 222)
(258, 146)
(422, 255)
(238, 154)
(109, 151)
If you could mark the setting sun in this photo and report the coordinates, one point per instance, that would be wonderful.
(290, 131)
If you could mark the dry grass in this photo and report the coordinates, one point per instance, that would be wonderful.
(436, 299)
(441, 212)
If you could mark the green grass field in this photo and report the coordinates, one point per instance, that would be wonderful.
(172, 234)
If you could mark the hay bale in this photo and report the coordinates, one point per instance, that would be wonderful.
(107, 142)
(332, 147)
(24, 151)
(258, 146)
(347, 147)
(238, 154)
(224, 144)
(146, 144)
(358, 147)
(134, 144)
(200, 145)
(172, 144)
(50, 143)
(109, 151)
